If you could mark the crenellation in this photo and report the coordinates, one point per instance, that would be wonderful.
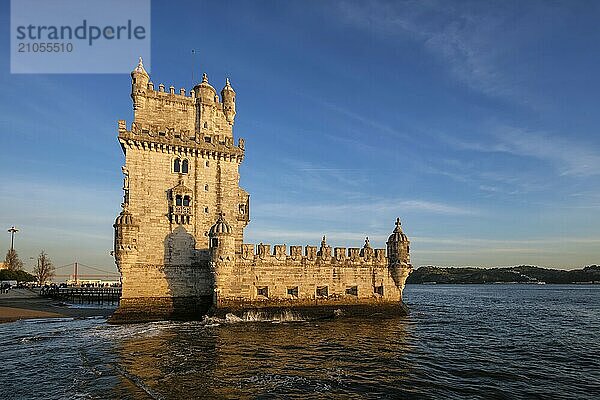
(279, 252)
(296, 253)
(353, 253)
(310, 252)
(340, 253)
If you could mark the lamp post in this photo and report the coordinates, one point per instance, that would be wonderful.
(12, 232)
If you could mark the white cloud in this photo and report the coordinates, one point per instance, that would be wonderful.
(340, 211)
(569, 156)
(471, 41)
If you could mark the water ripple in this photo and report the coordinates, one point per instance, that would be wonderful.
(478, 341)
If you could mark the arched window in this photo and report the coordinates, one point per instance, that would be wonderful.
(178, 200)
(184, 167)
(206, 124)
(177, 165)
(186, 201)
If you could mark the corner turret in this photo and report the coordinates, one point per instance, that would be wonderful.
(139, 79)
(222, 240)
(398, 249)
(398, 245)
(126, 235)
(228, 97)
(205, 92)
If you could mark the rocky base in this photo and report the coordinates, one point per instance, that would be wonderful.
(311, 312)
(147, 309)
(195, 308)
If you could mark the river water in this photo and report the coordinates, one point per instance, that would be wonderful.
(459, 341)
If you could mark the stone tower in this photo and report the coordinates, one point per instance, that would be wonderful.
(179, 237)
(180, 175)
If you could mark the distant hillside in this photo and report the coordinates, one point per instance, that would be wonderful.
(522, 273)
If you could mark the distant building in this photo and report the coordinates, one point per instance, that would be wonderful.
(179, 239)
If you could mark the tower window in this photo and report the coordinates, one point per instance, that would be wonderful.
(178, 200)
(207, 163)
(322, 291)
(352, 291)
(262, 291)
(214, 242)
(177, 165)
(184, 166)
(378, 290)
(206, 210)
(186, 201)
(206, 188)
(293, 291)
(206, 124)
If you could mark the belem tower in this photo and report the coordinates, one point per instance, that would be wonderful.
(179, 239)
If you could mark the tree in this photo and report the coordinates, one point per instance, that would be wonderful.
(44, 270)
(19, 276)
(12, 261)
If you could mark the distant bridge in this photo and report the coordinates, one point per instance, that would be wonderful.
(76, 276)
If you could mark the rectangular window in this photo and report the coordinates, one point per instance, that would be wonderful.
(263, 291)
(293, 291)
(352, 291)
(378, 290)
(322, 291)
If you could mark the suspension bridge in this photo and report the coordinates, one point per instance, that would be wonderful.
(77, 276)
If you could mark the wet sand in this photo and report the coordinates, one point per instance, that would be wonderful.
(26, 304)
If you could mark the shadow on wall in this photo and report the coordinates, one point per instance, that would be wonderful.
(188, 276)
(180, 247)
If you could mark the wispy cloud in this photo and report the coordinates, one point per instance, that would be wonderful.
(373, 207)
(569, 156)
(478, 242)
(472, 41)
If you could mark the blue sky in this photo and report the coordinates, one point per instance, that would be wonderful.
(475, 122)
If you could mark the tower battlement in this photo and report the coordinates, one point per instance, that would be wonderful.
(314, 254)
(201, 113)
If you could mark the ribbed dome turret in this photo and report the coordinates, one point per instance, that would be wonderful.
(139, 69)
(228, 96)
(227, 87)
(125, 218)
(204, 90)
(398, 235)
(221, 227)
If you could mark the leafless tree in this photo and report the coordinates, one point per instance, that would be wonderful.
(12, 261)
(44, 270)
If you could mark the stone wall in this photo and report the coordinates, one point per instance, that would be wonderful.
(304, 277)
(213, 184)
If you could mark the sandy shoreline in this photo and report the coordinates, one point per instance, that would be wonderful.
(26, 304)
